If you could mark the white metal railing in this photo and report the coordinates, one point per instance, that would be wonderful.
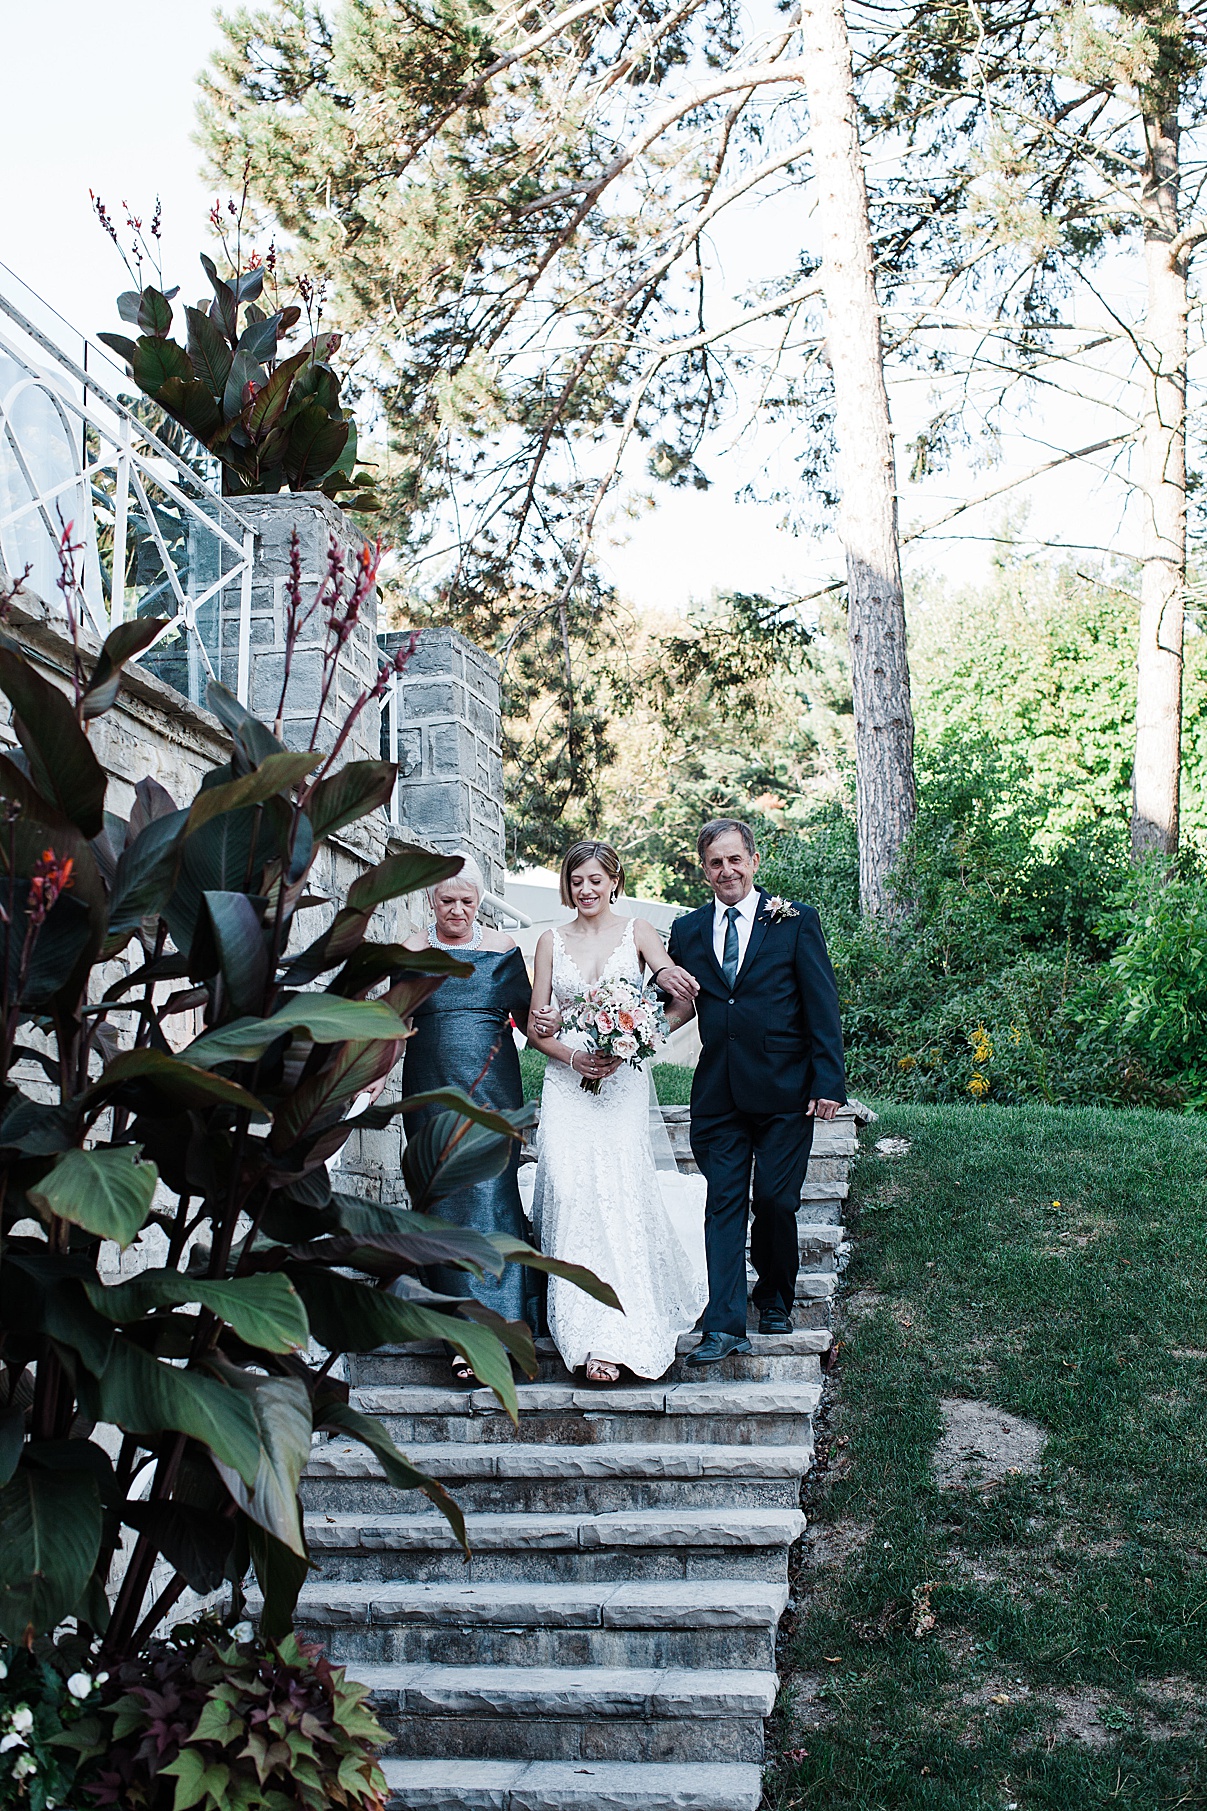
(155, 533)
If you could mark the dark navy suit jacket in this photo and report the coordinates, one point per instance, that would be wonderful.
(773, 1042)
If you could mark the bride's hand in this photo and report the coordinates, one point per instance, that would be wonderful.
(677, 982)
(593, 1065)
(546, 1020)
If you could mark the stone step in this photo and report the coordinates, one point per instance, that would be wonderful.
(689, 1543)
(443, 1785)
(342, 1475)
(623, 1623)
(590, 1714)
(774, 1361)
(730, 1413)
(811, 1285)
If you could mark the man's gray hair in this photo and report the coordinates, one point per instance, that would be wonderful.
(721, 826)
(470, 872)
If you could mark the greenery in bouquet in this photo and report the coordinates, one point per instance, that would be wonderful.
(620, 1019)
(160, 1413)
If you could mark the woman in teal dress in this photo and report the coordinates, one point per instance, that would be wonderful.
(456, 1030)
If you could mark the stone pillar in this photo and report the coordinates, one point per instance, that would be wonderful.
(318, 521)
(449, 748)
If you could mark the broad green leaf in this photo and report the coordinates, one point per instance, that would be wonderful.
(216, 860)
(12, 1442)
(316, 440)
(50, 1537)
(509, 1120)
(347, 1316)
(449, 1153)
(61, 942)
(189, 400)
(281, 1408)
(208, 350)
(242, 952)
(405, 872)
(265, 1311)
(146, 1395)
(146, 875)
(358, 788)
(18, 787)
(181, 1084)
(62, 764)
(315, 1102)
(244, 370)
(516, 1252)
(156, 360)
(337, 1418)
(195, 1542)
(121, 645)
(372, 962)
(419, 1238)
(324, 1018)
(258, 339)
(280, 1573)
(198, 1777)
(276, 773)
(119, 343)
(154, 313)
(107, 1192)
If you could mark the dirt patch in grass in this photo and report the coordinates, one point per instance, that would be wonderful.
(982, 1444)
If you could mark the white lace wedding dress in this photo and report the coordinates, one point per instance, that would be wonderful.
(599, 1200)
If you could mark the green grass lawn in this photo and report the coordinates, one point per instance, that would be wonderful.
(1052, 1263)
(672, 1080)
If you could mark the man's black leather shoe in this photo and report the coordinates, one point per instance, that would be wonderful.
(718, 1345)
(775, 1320)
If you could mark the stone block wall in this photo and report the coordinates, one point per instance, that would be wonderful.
(449, 748)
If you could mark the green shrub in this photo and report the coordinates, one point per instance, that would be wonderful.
(1158, 1005)
(208, 1720)
(45, 1699)
(1026, 966)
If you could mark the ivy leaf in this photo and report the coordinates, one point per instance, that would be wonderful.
(107, 1192)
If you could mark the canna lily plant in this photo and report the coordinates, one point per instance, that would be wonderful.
(164, 1413)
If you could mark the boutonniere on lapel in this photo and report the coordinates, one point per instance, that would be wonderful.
(777, 910)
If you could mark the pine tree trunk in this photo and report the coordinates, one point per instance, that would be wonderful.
(1163, 483)
(884, 724)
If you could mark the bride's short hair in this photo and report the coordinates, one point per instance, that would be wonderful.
(581, 853)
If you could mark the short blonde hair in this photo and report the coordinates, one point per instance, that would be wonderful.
(578, 855)
(469, 872)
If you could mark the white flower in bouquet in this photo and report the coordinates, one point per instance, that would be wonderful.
(620, 1020)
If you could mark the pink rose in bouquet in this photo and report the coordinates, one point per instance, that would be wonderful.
(620, 1019)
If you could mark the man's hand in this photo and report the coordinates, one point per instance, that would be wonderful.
(822, 1109)
(678, 983)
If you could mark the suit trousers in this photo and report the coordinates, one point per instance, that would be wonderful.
(776, 1146)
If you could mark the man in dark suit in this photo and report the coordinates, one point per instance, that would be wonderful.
(771, 1065)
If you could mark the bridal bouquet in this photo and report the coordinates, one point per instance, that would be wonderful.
(620, 1019)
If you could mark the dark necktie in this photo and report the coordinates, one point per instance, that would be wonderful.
(729, 963)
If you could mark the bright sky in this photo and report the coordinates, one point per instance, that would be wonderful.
(100, 94)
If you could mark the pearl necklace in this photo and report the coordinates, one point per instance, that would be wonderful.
(454, 949)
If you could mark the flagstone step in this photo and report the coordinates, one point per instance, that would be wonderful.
(430, 1785)
(775, 1359)
(732, 1413)
(685, 1543)
(623, 1623)
(570, 1479)
(572, 1713)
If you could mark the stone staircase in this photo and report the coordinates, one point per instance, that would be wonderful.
(611, 1640)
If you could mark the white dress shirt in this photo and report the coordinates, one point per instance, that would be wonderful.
(747, 908)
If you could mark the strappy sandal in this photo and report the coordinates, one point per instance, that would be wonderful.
(602, 1370)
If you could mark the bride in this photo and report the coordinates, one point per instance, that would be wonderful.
(598, 1197)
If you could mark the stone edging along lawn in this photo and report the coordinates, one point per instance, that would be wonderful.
(1026, 1308)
